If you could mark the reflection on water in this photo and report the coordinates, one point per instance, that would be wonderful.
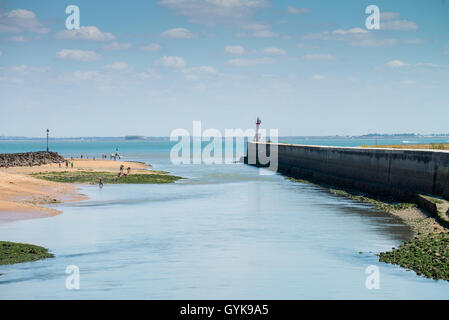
(227, 232)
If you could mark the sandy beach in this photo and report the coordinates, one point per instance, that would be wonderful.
(25, 197)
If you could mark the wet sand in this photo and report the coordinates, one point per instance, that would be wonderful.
(420, 221)
(25, 197)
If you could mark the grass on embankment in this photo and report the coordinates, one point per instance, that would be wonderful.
(380, 204)
(383, 205)
(11, 253)
(93, 177)
(427, 253)
(427, 146)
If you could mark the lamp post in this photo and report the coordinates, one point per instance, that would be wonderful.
(47, 138)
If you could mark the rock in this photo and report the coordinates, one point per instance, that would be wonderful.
(29, 159)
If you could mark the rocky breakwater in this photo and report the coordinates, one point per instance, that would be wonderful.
(29, 159)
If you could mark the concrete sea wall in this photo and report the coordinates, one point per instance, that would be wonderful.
(396, 173)
(29, 158)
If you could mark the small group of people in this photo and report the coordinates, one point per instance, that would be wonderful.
(114, 156)
(66, 164)
(123, 174)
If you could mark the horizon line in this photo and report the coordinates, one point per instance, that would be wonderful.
(142, 137)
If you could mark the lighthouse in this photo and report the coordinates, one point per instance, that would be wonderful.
(257, 136)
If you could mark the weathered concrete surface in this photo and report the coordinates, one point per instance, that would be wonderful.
(29, 158)
(396, 173)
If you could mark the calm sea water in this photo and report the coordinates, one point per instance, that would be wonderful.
(225, 232)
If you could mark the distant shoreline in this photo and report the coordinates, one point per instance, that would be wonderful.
(167, 138)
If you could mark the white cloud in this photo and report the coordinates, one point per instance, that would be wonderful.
(149, 74)
(318, 77)
(232, 4)
(215, 11)
(259, 30)
(202, 69)
(388, 15)
(20, 74)
(396, 64)
(116, 76)
(374, 42)
(24, 69)
(117, 46)
(274, 51)
(250, 62)
(82, 75)
(349, 31)
(178, 33)
(151, 47)
(90, 33)
(235, 49)
(356, 37)
(399, 25)
(255, 26)
(427, 65)
(196, 73)
(265, 34)
(119, 66)
(21, 20)
(293, 10)
(20, 69)
(318, 56)
(171, 62)
(17, 39)
(78, 55)
(389, 21)
(407, 82)
(306, 46)
(401, 64)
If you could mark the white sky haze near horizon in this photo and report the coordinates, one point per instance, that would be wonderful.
(149, 67)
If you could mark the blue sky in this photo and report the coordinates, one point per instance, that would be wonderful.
(148, 67)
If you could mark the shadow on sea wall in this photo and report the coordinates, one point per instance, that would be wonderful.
(402, 175)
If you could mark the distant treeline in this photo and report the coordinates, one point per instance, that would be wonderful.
(408, 135)
(80, 138)
(370, 135)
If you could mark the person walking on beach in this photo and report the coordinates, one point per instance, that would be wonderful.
(60, 163)
(72, 164)
(66, 164)
(101, 183)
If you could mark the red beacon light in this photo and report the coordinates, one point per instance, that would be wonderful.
(257, 136)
